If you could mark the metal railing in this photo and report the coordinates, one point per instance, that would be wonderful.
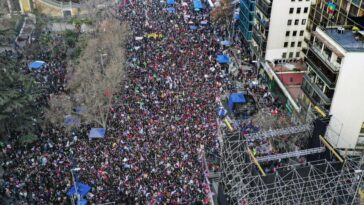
(324, 58)
(315, 89)
(318, 71)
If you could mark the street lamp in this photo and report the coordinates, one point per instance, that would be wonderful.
(75, 185)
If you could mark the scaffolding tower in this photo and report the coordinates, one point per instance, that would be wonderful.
(319, 181)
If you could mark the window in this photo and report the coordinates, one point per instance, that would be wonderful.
(294, 33)
(291, 10)
(299, 44)
(303, 21)
(284, 55)
(362, 129)
(292, 0)
(290, 54)
(285, 44)
(301, 32)
(298, 10)
(338, 60)
(297, 54)
(296, 21)
(292, 44)
(289, 22)
(287, 33)
(305, 10)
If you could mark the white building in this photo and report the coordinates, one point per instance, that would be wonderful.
(279, 29)
(335, 82)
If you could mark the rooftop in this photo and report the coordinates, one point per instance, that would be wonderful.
(347, 39)
(290, 67)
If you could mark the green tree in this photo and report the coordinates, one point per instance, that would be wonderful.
(18, 97)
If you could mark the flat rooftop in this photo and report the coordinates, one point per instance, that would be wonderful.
(290, 67)
(347, 39)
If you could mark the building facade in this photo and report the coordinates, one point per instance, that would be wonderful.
(334, 82)
(246, 17)
(279, 29)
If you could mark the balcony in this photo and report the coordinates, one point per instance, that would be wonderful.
(264, 7)
(313, 92)
(321, 73)
(325, 59)
(257, 36)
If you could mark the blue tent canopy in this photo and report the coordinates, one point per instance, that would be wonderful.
(226, 43)
(82, 189)
(171, 10)
(222, 59)
(82, 202)
(97, 133)
(236, 98)
(36, 65)
(70, 120)
(170, 2)
(198, 5)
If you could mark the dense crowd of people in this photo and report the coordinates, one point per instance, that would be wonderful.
(164, 118)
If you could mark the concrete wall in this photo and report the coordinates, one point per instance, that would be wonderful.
(347, 107)
(278, 27)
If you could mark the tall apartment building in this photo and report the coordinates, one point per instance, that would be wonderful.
(335, 82)
(280, 28)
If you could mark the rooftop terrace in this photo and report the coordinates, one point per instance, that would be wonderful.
(350, 41)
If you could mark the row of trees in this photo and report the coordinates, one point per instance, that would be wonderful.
(94, 79)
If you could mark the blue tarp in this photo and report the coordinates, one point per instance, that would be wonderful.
(82, 202)
(236, 98)
(82, 190)
(193, 27)
(198, 5)
(204, 22)
(171, 10)
(70, 120)
(222, 59)
(225, 43)
(97, 133)
(170, 2)
(36, 65)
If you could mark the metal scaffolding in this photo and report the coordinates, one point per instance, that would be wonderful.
(318, 181)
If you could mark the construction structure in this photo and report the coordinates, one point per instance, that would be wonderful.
(324, 177)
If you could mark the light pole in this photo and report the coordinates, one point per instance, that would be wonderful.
(75, 185)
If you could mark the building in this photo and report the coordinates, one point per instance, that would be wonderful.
(334, 83)
(341, 13)
(279, 29)
(246, 17)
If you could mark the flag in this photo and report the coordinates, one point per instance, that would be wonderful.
(331, 7)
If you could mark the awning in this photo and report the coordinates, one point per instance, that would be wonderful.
(170, 2)
(223, 59)
(36, 65)
(236, 98)
(82, 190)
(97, 133)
